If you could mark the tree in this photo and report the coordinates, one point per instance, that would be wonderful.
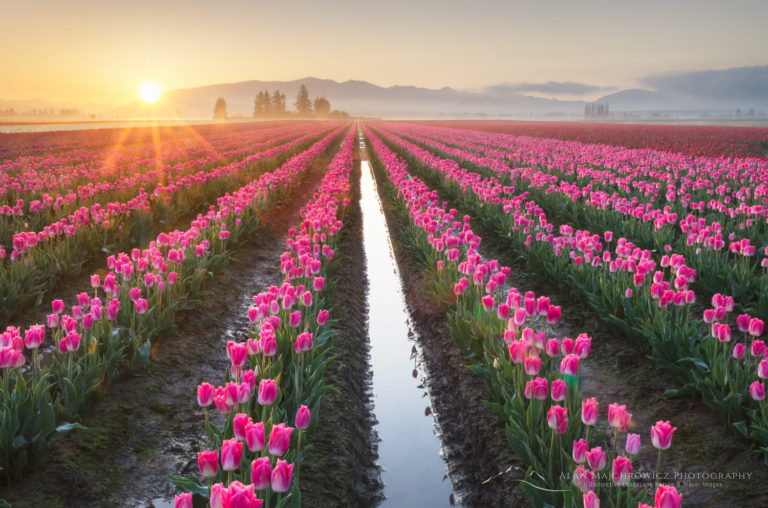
(322, 106)
(278, 103)
(260, 104)
(220, 109)
(303, 104)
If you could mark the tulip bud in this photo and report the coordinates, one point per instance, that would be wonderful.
(661, 435)
(633, 444)
(303, 418)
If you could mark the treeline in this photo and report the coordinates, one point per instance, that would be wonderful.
(273, 105)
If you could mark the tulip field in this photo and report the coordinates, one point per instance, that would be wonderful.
(185, 322)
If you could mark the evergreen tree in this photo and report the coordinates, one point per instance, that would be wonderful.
(303, 103)
(220, 109)
(278, 104)
(322, 106)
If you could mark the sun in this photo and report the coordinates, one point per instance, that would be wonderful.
(149, 91)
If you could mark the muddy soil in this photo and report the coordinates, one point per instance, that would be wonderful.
(148, 425)
(619, 371)
(481, 465)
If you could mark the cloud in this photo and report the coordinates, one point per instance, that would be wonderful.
(737, 82)
(550, 87)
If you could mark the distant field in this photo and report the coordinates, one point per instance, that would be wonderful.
(711, 140)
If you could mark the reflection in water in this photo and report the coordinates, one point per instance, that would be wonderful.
(414, 473)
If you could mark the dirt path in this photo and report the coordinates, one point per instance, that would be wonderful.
(149, 426)
(618, 371)
(476, 450)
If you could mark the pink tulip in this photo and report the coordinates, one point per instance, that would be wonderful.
(591, 500)
(539, 388)
(757, 391)
(559, 389)
(303, 343)
(52, 320)
(580, 449)
(762, 369)
(569, 365)
(34, 336)
(553, 348)
(532, 365)
(279, 439)
(238, 425)
(57, 306)
(238, 353)
(231, 453)
(254, 436)
(758, 348)
(294, 319)
(322, 317)
(281, 476)
(488, 303)
(618, 417)
(589, 411)
(557, 419)
(208, 461)
(742, 322)
(318, 284)
(667, 497)
(183, 500)
(267, 392)
(633, 444)
(141, 306)
(738, 351)
(583, 346)
(205, 393)
(661, 435)
(756, 327)
(261, 472)
(303, 418)
(218, 493)
(622, 471)
(268, 345)
(597, 458)
(583, 479)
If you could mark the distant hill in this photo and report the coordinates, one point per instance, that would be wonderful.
(722, 89)
(359, 98)
(692, 93)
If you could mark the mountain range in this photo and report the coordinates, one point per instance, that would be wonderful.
(701, 91)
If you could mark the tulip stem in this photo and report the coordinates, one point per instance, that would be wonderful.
(658, 467)
(551, 445)
(34, 369)
(618, 495)
(298, 460)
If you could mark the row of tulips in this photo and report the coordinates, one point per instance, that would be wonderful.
(702, 241)
(276, 375)
(134, 303)
(104, 213)
(35, 185)
(651, 302)
(96, 202)
(687, 182)
(70, 246)
(740, 267)
(710, 140)
(532, 376)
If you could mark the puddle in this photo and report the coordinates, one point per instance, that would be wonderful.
(414, 472)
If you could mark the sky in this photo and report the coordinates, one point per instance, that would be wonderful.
(98, 51)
